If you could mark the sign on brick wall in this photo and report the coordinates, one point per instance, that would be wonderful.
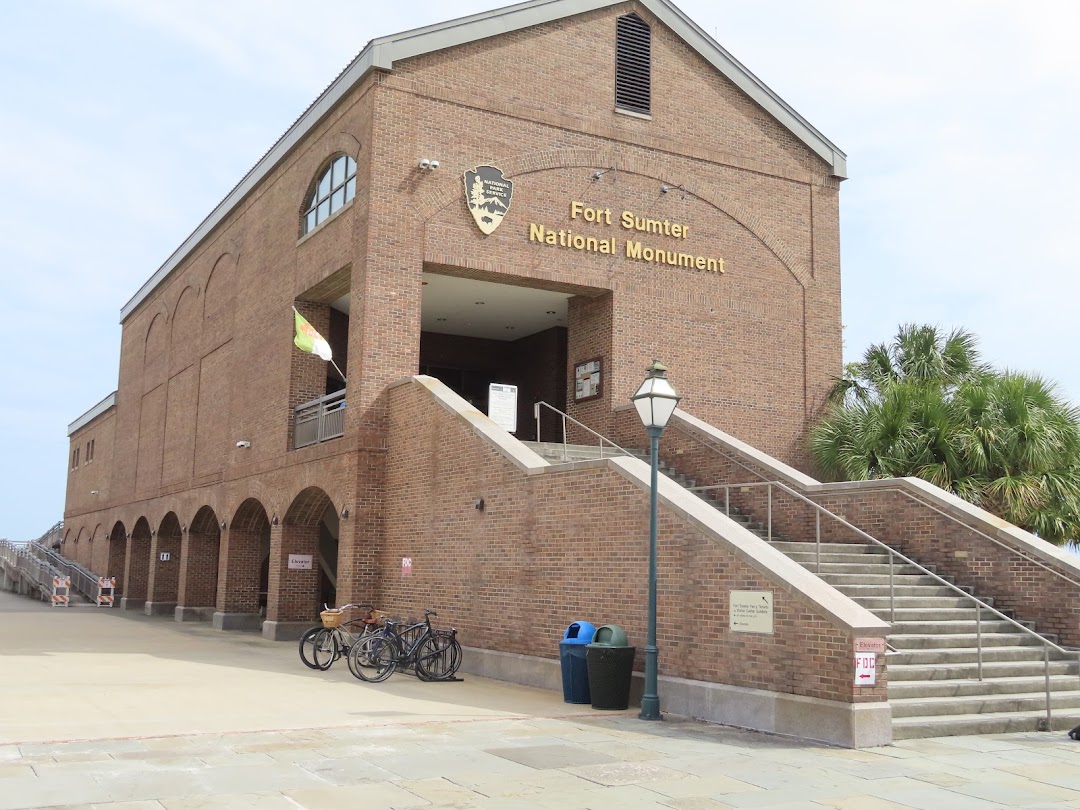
(865, 669)
(751, 611)
(301, 562)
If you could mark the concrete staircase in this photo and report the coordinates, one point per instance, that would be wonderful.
(933, 682)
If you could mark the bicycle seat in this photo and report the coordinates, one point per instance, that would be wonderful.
(430, 612)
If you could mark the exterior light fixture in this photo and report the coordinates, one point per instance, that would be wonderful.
(274, 522)
(223, 525)
(655, 401)
(344, 513)
(479, 505)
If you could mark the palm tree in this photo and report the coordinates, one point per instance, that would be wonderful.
(925, 405)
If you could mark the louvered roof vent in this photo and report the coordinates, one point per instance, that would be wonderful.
(633, 64)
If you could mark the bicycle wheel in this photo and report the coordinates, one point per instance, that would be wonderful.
(307, 647)
(438, 658)
(325, 649)
(374, 658)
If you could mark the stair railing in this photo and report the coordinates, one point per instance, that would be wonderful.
(893, 553)
(82, 578)
(1011, 549)
(567, 417)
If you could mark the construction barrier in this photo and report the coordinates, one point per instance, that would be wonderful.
(106, 591)
(61, 591)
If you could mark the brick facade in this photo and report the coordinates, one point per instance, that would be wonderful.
(207, 359)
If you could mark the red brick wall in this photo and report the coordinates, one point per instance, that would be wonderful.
(551, 549)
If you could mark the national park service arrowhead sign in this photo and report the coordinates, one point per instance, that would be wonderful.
(488, 194)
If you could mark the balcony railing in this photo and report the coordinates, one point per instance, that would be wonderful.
(320, 420)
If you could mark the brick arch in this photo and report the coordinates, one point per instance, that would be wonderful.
(654, 166)
(164, 580)
(250, 515)
(244, 561)
(307, 507)
(219, 291)
(114, 566)
(199, 555)
(137, 564)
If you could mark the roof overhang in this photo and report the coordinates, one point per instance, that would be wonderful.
(383, 52)
(93, 413)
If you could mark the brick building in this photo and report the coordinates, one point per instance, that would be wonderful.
(546, 196)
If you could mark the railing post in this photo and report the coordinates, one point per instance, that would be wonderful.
(978, 637)
(564, 437)
(1046, 676)
(817, 554)
(727, 500)
(892, 591)
(536, 416)
(770, 511)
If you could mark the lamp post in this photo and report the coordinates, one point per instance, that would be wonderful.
(655, 401)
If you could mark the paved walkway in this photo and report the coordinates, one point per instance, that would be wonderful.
(106, 709)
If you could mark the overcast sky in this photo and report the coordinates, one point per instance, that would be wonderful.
(123, 122)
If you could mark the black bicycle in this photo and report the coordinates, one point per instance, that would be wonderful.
(433, 654)
(322, 645)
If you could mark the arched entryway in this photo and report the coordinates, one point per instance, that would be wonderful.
(303, 564)
(243, 569)
(164, 584)
(199, 567)
(114, 567)
(137, 566)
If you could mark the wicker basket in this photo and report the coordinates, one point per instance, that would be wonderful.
(332, 618)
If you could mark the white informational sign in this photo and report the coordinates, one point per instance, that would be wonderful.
(300, 562)
(865, 669)
(165, 556)
(406, 566)
(751, 611)
(502, 406)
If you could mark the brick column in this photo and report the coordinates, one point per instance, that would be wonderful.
(292, 601)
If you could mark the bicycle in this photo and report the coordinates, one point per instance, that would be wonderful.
(322, 645)
(433, 654)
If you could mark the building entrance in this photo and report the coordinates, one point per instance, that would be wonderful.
(475, 333)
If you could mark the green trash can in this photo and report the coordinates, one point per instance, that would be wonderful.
(610, 661)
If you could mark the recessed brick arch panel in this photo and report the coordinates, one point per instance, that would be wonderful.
(448, 191)
(243, 557)
(137, 564)
(200, 548)
(165, 574)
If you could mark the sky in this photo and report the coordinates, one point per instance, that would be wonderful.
(124, 122)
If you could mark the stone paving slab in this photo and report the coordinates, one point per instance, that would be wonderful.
(404, 744)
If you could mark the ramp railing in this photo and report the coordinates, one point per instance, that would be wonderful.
(97, 589)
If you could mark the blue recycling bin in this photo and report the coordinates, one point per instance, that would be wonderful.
(575, 671)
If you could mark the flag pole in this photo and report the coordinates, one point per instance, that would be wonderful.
(344, 379)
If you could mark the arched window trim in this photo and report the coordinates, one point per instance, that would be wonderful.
(334, 187)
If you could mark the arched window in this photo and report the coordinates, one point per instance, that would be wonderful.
(336, 186)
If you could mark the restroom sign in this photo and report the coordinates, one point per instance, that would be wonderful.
(865, 669)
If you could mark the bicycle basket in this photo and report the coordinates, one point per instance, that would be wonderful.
(331, 618)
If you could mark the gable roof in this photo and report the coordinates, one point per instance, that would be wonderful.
(383, 52)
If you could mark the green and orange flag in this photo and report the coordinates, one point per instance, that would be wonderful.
(309, 340)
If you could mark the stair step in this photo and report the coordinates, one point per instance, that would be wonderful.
(949, 656)
(880, 579)
(909, 728)
(916, 614)
(862, 569)
(965, 626)
(902, 690)
(965, 641)
(1004, 669)
(984, 704)
(859, 592)
(920, 602)
(832, 548)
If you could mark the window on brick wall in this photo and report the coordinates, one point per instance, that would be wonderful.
(75, 459)
(633, 65)
(335, 187)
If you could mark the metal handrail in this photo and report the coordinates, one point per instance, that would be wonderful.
(980, 605)
(82, 578)
(319, 420)
(889, 488)
(565, 416)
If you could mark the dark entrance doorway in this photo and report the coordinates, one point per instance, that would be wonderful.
(476, 333)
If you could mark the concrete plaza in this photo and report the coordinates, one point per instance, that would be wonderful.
(104, 708)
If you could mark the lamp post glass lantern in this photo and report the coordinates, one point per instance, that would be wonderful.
(655, 401)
